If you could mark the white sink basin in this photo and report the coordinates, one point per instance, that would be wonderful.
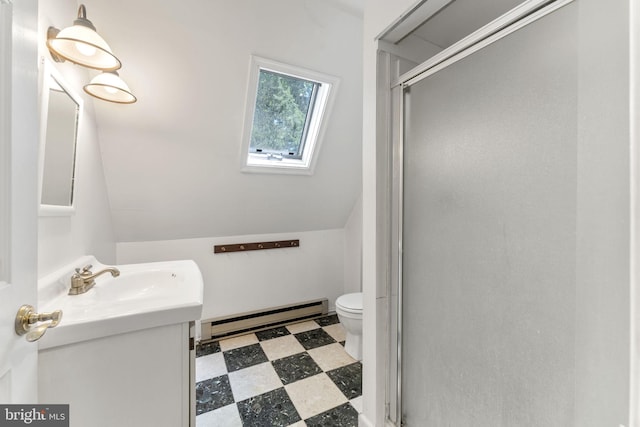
(143, 296)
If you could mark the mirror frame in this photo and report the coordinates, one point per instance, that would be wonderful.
(48, 71)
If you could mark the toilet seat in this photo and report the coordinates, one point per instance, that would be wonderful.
(350, 303)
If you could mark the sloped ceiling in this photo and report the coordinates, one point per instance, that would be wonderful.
(172, 160)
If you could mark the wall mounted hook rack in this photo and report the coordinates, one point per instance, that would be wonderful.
(242, 247)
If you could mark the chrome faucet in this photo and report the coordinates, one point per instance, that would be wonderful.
(84, 279)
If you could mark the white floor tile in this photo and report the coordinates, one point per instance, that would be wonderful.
(253, 381)
(280, 347)
(237, 342)
(210, 366)
(331, 356)
(357, 404)
(336, 331)
(302, 326)
(227, 416)
(314, 395)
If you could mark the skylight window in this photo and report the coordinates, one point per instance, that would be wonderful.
(287, 110)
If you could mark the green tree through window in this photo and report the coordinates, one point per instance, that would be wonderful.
(281, 114)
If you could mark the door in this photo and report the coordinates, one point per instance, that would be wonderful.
(18, 190)
(489, 243)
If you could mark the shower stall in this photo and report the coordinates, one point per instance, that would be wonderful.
(509, 177)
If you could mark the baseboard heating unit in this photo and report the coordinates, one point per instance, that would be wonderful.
(224, 327)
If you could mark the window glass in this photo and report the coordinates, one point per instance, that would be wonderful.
(281, 118)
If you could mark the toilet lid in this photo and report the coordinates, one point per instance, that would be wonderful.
(350, 302)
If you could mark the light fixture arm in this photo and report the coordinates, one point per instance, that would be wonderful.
(82, 18)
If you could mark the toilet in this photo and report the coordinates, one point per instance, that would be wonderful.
(349, 311)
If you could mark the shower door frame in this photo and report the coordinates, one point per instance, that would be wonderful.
(519, 17)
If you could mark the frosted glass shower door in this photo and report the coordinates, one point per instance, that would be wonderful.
(489, 234)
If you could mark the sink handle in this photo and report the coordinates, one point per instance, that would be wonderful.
(85, 269)
(27, 317)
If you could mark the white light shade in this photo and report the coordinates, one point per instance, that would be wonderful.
(108, 86)
(82, 45)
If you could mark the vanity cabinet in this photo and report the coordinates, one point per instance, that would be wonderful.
(122, 354)
(138, 378)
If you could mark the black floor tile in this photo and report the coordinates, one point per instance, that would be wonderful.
(348, 379)
(272, 333)
(296, 367)
(314, 338)
(271, 409)
(343, 416)
(243, 357)
(213, 394)
(207, 348)
(328, 320)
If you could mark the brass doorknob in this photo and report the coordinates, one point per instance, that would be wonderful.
(27, 318)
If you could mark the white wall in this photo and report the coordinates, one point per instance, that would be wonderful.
(89, 230)
(172, 160)
(353, 250)
(244, 281)
(602, 341)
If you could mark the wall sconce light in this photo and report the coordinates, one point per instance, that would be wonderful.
(81, 45)
(108, 86)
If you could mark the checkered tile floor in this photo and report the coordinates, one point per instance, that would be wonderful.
(296, 375)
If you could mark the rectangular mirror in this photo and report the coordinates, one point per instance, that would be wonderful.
(61, 109)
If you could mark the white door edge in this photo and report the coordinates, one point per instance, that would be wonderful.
(18, 195)
(634, 135)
